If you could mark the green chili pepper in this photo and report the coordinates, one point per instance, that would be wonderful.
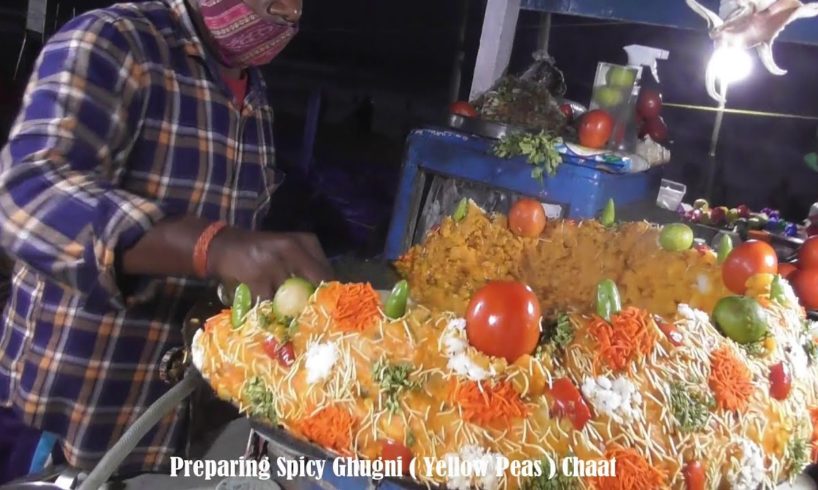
(777, 291)
(461, 210)
(608, 216)
(396, 303)
(725, 247)
(242, 300)
(607, 299)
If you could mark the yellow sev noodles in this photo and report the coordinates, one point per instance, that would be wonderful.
(437, 414)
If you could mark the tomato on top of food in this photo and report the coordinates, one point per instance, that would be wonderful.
(527, 218)
(503, 320)
(805, 284)
(746, 260)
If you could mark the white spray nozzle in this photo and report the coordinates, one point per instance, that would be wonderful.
(639, 55)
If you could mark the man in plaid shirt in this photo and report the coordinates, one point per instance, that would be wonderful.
(138, 169)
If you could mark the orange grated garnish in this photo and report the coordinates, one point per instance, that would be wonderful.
(633, 472)
(628, 337)
(730, 380)
(220, 320)
(488, 403)
(357, 307)
(330, 427)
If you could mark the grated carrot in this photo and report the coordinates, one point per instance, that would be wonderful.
(357, 307)
(730, 380)
(814, 415)
(628, 337)
(219, 320)
(488, 404)
(633, 472)
(331, 427)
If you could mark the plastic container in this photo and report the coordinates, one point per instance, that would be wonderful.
(613, 92)
(670, 195)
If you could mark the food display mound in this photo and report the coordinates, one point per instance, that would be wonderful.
(630, 366)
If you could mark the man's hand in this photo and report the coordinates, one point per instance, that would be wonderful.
(264, 260)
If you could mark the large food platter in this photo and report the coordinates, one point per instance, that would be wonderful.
(333, 390)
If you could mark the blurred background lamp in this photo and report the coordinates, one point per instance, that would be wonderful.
(731, 64)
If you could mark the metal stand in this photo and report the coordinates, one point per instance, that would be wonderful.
(714, 142)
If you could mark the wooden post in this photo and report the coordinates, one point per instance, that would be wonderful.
(496, 41)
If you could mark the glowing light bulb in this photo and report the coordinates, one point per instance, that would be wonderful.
(731, 64)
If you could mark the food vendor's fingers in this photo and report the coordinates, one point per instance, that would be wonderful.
(313, 248)
(274, 277)
(304, 265)
(261, 290)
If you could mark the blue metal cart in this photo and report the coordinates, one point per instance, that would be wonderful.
(577, 190)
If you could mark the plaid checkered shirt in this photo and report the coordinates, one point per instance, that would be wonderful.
(126, 121)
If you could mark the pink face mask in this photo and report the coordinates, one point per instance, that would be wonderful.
(243, 38)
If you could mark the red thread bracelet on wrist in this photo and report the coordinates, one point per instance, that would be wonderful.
(200, 251)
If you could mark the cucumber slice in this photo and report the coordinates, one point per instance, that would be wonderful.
(291, 298)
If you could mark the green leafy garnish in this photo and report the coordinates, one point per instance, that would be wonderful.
(410, 439)
(796, 455)
(393, 380)
(260, 399)
(690, 410)
(539, 149)
(559, 482)
(564, 331)
(755, 349)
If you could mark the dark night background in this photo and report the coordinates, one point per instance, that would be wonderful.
(382, 68)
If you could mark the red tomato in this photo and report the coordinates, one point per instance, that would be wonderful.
(649, 103)
(808, 254)
(670, 330)
(463, 108)
(567, 111)
(780, 381)
(805, 284)
(786, 269)
(568, 403)
(392, 450)
(655, 128)
(503, 320)
(526, 218)
(694, 476)
(286, 354)
(283, 353)
(271, 346)
(748, 259)
(595, 129)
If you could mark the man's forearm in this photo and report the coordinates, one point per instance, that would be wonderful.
(165, 250)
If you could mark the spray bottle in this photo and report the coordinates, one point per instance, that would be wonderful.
(638, 57)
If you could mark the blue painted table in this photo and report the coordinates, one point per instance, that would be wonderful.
(580, 190)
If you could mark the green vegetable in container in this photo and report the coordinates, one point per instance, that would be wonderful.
(395, 306)
(607, 299)
(608, 216)
(461, 210)
(242, 301)
(725, 247)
